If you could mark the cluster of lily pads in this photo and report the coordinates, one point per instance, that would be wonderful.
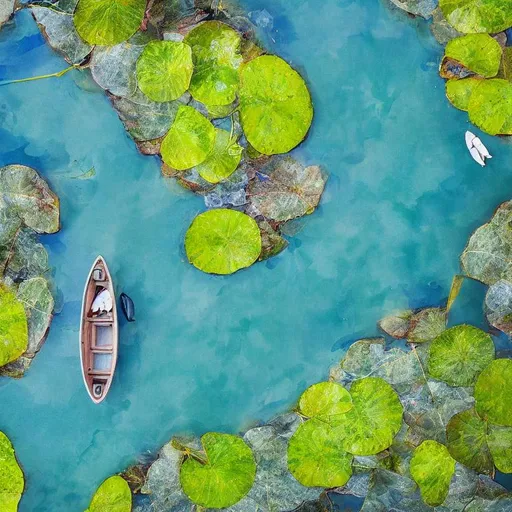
(477, 62)
(193, 86)
(27, 208)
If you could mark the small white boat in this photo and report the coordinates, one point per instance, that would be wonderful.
(477, 149)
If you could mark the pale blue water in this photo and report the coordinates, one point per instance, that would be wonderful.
(217, 353)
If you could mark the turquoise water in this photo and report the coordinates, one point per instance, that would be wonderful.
(219, 353)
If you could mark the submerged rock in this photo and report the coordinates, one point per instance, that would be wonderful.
(423, 8)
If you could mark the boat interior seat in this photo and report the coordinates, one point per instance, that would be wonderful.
(104, 349)
(99, 373)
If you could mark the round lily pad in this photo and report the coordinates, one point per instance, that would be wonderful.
(479, 53)
(466, 434)
(108, 22)
(500, 444)
(11, 477)
(223, 241)
(375, 418)
(275, 105)
(189, 141)
(432, 468)
(490, 106)
(216, 54)
(223, 160)
(459, 91)
(164, 70)
(316, 457)
(226, 475)
(459, 354)
(13, 327)
(113, 495)
(492, 393)
(469, 16)
(324, 400)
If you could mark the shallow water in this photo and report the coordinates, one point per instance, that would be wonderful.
(218, 353)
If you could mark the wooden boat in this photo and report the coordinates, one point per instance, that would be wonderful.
(98, 332)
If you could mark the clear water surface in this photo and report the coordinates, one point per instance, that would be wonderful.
(219, 353)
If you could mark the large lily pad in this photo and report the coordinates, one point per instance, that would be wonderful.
(492, 393)
(163, 481)
(275, 105)
(223, 241)
(459, 354)
(479, 53)
(325, 401)
(432, 468)
(224, 477)
(500, 444)
(469, 16)
(287, 190)
(423, 8)
(466, 433)
(216, 55)
(60, 31)
(274, 487)
(113, 68)
(223, 159)
(164, 70)
(490, 106)
(498, 306)
(37, 299)
(316, 457)
(373, 421)
(108, 22)
(488, 254)
(11, 477)
(113, 495)
(13, 327)
(145, 119)
(459, 91)
(29, 196)
(189, 141)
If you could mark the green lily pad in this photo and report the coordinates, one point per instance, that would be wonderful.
(226, 475)
(189, 141)
(113, 495)
(61, 34)
(223, 241)
(466, 434)
(37, 299)
(325, 401)
(216, 54)
(432, 468)
(29, 196)
(275, 105)
(471, 16)
(427, 324)
(113, 68)
(459, 91)
(289, 190)
(506, 64)
(108, 22)
(459, 354)
(500, 444)
(13, 327)
(164, 70)
(490, 107)
(316, 457)
(423, 8)
(488, 254)
(373, 421)
(223, 159)
(274, 487)
(498, 306)
(163, 481)
(479, 53)
(11, 477)
(145, 119)
(492, 393)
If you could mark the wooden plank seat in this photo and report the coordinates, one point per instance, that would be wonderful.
(103, 349)
(100, 373)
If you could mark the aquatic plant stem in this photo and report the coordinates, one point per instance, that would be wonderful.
(41, 77)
